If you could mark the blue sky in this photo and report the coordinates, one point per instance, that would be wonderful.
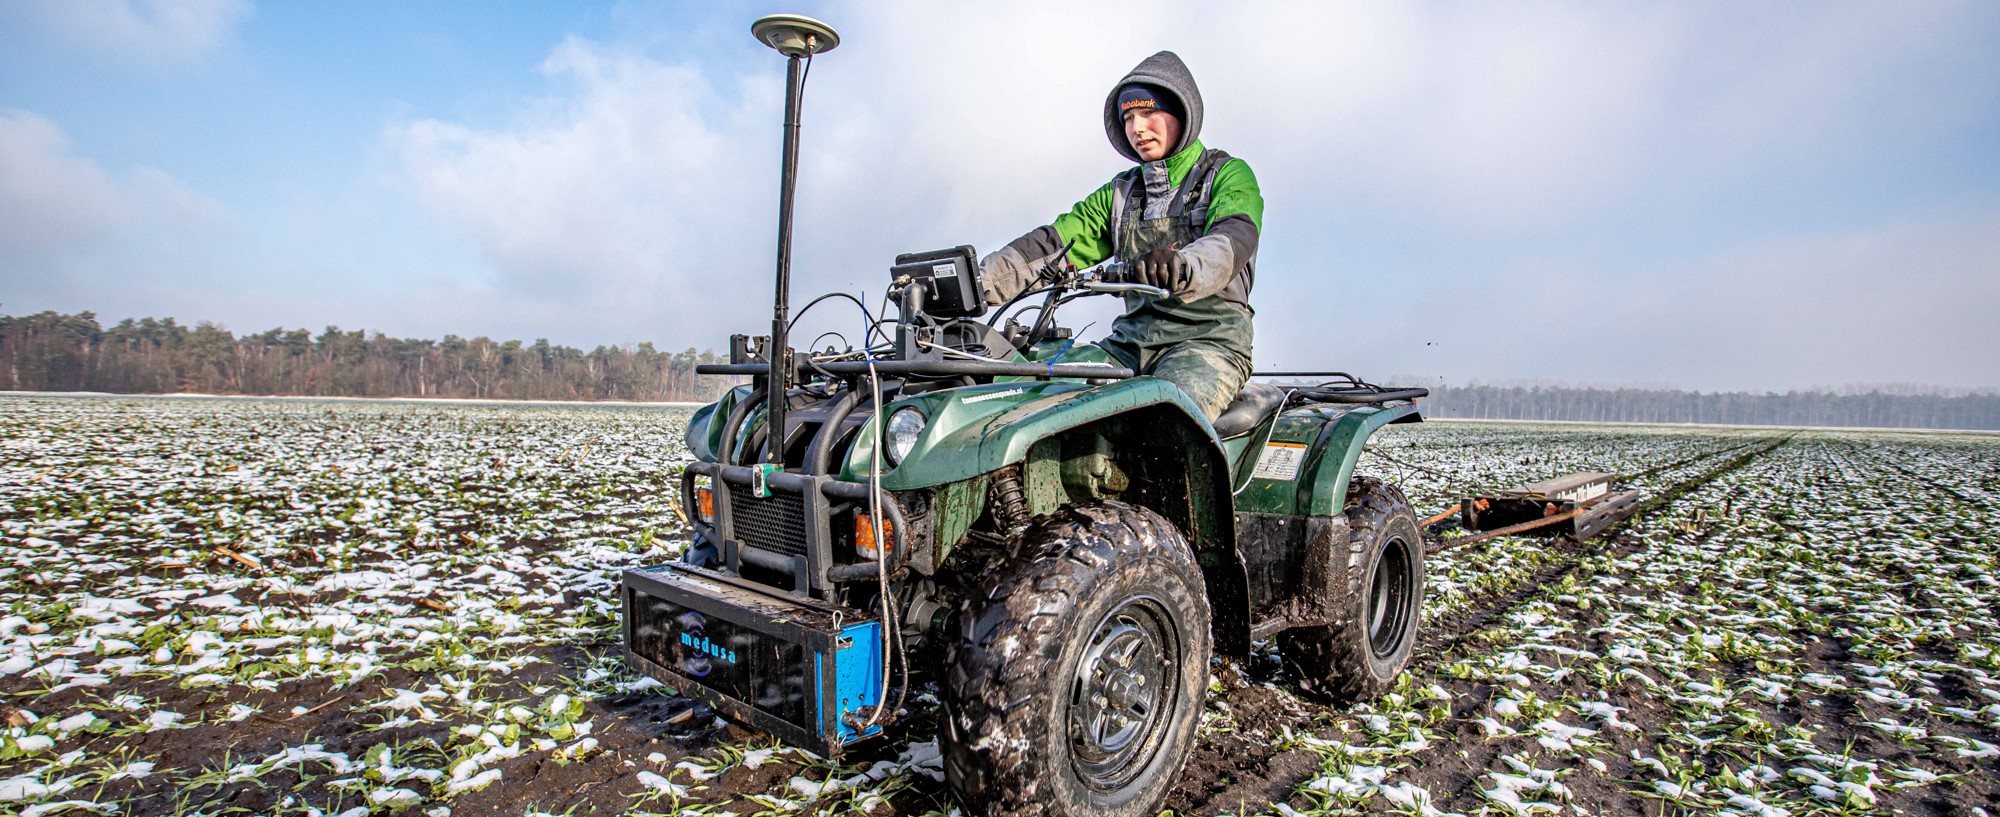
(1705, 195)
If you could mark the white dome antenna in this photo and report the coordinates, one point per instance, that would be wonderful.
(795, 35)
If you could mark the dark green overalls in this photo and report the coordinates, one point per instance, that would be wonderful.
(1204, 346)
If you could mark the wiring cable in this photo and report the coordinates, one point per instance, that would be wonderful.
(950, 352)
(1071, 344)
(1030, 309)
(830, 354)
(815, 302)
(874, 326)
(1410, 465)
(892, 637)
(1283, 402)
(1022, 296)
(813, 360)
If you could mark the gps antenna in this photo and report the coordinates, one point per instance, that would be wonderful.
(797, 37)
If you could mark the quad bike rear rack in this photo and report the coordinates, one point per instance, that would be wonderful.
(1341, 388)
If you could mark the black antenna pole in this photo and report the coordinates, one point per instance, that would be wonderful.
(798, 38)
(781, 352)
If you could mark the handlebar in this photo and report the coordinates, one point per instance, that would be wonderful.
(1104, 277)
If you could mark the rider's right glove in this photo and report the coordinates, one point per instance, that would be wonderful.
(1163, 268)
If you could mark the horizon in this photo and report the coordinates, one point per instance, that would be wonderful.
(1842, 389)
(1722, 197)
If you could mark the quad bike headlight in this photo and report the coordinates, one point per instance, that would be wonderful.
(904, 426)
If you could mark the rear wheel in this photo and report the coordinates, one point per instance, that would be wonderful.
(1076, 682)
(1376, 586)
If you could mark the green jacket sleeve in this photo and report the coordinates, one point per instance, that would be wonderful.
(1236, 194)
(1089, 225)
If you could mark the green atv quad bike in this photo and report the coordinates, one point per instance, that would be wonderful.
(1056, 544)
(990, 510)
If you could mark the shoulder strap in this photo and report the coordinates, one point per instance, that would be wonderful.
(1128, 200)
(1199, 187)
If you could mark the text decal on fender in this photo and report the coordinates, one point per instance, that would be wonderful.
(1280, 461)
(993, 396)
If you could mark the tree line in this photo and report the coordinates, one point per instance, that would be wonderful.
(56, 352)
(1873, 407)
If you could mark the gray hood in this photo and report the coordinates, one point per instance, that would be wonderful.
(1166, 72)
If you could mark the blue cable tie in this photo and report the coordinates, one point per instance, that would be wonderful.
(1067, 346)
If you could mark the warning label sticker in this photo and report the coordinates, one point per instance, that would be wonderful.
(1280, 461)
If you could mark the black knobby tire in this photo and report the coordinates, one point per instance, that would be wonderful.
(1075, 683)
(1376, 589)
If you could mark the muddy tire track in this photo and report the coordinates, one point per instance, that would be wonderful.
(1231, 770)
(1443, 637)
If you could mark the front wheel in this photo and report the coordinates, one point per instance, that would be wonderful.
(1375, 592)
(1076, 681)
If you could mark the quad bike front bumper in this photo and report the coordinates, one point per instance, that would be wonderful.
(806, 672)
(791, 661)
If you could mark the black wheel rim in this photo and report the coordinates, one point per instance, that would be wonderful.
(1124, 694)
(1390, 600)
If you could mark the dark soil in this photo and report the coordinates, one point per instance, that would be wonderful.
(1237, 768)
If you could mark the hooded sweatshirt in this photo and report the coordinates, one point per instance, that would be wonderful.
(1214, 305)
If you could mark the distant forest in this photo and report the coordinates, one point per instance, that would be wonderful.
(56, 352)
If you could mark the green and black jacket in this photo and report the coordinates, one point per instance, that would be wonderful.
(1213, 303)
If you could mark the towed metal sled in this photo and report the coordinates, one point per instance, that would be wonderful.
(1581, 505)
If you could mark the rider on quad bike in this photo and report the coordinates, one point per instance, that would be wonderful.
(1052, 545)
(1186, 220)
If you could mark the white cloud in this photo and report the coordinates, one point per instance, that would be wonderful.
(624, 197)
(151, 30)
(1472, 115)
(635, 199)
(1906, 302)
(64, 220)
(49, 196)
(52, 198)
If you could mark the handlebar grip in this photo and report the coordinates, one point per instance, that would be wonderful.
(1143, 289)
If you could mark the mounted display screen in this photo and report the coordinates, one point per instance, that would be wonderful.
(951, 277)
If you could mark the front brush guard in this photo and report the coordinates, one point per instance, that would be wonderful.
(813, 571)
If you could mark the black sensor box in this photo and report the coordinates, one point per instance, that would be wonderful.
(951, 277)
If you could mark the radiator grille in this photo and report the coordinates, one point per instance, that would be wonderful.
(776, 524)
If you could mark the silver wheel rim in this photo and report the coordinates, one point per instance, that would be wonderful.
(1124, 694)
(1390, 602)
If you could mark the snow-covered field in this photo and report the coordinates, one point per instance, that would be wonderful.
(295, 607)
